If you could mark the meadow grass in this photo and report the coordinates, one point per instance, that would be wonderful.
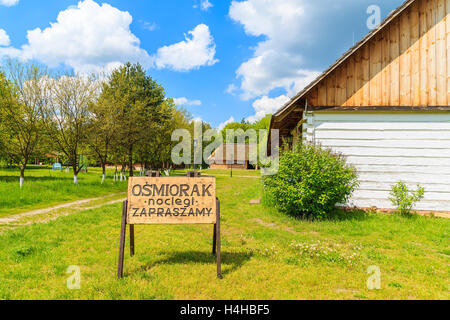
(266, 255)
(44, 187)
(236, 172)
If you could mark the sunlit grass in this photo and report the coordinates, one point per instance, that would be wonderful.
(266, 255)
(44, 187)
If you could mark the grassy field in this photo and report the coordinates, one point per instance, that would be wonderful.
(44, 187)
(266, 255)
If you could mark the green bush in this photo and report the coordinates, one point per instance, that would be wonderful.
(404, 199)
(310, 181)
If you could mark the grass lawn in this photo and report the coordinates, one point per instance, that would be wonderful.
(266, 255)
(236, 172)
(44, 187)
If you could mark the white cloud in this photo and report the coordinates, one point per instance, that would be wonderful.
(223, 124)
(205, 5)
(277, 61)
(267, 105)
(186, 102)
(8, 3)
(4, 38)
(198, 49)
(97, 38)
(87, 37)
(231, 89)
(150, 26)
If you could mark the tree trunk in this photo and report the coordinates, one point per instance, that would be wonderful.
(130, 160)
(75, 174)
(104, 172)
(22, 175)
(122, 170)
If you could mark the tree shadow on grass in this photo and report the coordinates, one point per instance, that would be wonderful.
(232, 261)
(338, 214)
(348, 214)
(13, 179)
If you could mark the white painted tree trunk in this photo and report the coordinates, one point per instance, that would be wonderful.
(103, 178)
(21, 182)
(75, 179)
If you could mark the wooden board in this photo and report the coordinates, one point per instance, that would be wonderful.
(415, 53)
(394, 37)
(172, 200)
(441, 54)
(405, 60)
(388, 147)
(404, 64)
(375, 71)
(431, 26)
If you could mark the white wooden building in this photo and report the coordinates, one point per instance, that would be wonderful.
(385, 105)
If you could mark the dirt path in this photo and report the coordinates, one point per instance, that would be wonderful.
(73, 206)
(274, 226)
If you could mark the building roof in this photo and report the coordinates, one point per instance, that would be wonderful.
(344, 57)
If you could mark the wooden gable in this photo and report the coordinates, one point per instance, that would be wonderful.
(404, 64)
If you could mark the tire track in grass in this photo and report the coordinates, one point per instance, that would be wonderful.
(74, 206)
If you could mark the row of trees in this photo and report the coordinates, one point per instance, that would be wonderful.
(241, 127)
(122, 118)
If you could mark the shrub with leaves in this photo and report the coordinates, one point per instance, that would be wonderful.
(404, 199)
(310, 182)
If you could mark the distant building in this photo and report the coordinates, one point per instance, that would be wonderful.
(232, 155)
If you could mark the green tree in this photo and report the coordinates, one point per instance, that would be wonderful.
(260, 126)
(181, 119)
(263, 124)
(205, 126)
(23, 96)
(138, 99)
(101, 131)
(4, 94)
(238, 127)
(152, 151)
(67, 116)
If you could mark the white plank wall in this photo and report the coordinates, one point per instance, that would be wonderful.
(389, 147)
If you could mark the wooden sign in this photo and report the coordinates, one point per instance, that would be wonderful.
(170, 200)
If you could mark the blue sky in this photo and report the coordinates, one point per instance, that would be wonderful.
(221, 60)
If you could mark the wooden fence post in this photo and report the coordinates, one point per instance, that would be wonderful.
(132, 240)
(219, 267)
(214, 239)
(123, 231)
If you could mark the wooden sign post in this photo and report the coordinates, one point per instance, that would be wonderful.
(170, 200)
